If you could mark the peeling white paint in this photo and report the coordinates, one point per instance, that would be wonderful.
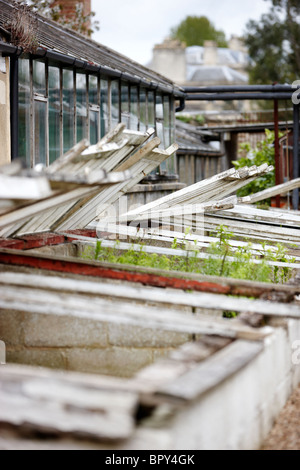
(2, 93)
(2, 65)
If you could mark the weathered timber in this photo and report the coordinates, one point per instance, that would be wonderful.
(212, 372)
(50, 404)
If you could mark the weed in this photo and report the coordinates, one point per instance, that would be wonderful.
(222, 260)
(264, 152)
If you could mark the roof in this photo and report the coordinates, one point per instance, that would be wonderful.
(222, 72)
(54, 37)
(225, 56)
(190, 139)
(215, 74)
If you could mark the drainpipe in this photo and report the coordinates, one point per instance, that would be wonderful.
(14, 106)
(181, 106)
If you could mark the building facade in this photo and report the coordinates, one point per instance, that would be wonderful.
(202, 66)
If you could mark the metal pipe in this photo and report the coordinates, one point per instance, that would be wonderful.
(296, 156)
(181, 106)
(14, 106)
(277, 158)
(239, 96)
(241, 88)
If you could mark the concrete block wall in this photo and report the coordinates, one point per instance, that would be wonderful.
(70, 343)
(239, 413)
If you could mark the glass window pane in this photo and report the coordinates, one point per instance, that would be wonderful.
(40, 135)
(172, 169)
(159, 112)
(104, 107)
(169, 164)
(94, 126)
(24, 111)
(151, 109)
(39, 78)
(134, 108)
(81, 106)
(68, 109)
(172, 123)
(125, 104)
(115, 103)
(167, 121)
(143, 110)
(54, 114)
(93, 89)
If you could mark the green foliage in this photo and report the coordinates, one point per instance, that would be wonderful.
(194, 30)
(223, 260)
(239, 263)
(264, 152)
(80, 22)
(195, 120)
(274, 44)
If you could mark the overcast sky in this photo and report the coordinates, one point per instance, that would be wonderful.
(133, 27)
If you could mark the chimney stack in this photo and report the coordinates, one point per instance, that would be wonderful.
(210, 55)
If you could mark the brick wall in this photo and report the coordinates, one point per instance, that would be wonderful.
(70, 5)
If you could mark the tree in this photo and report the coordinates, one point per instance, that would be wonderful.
(79, 22)
(274, 44)
(194, 30)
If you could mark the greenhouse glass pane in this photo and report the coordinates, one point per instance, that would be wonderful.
(151, 109)
(39, 77)
(54, 114)
(125, 104)
(93, 89)
(143, 110)
(134, 108)
(40, 135)
(94, 127)
(68, 110)
(167, 121)
(81, 106)
(24, 111)
(104, 107)
(115, 103)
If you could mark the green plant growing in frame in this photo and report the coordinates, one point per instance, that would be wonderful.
(264, 152)
(222, 259)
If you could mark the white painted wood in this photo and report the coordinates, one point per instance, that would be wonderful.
(163, 235)
(88, 212)
(212, 372)
(223, 184)
(42, 206)
(60, 163)
(271, 192)
(81, 306)
(48, 403)
(253, 214)
(137, 293)
(118, 145)
(15, 187)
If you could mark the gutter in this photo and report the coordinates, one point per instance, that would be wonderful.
(68, 61)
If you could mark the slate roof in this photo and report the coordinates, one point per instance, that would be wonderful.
(54, 37)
